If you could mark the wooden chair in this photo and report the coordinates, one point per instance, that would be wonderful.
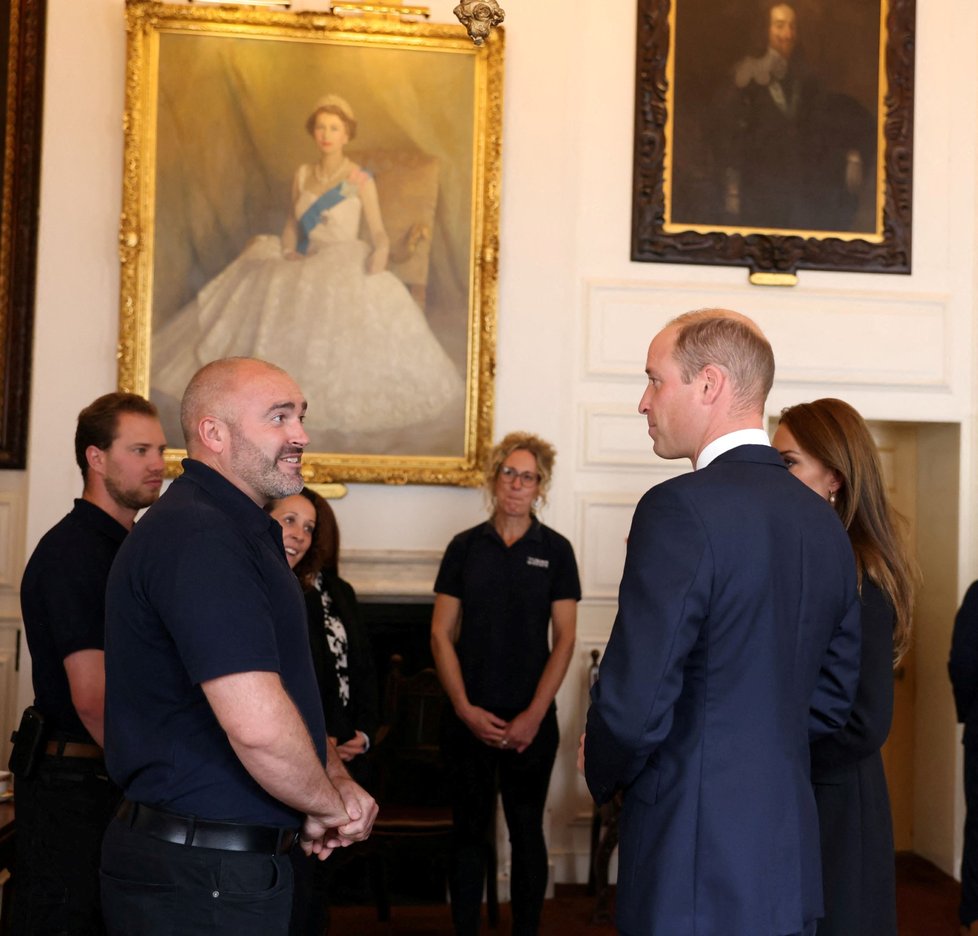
(412, 781)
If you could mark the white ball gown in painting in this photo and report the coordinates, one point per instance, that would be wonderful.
(358, 345)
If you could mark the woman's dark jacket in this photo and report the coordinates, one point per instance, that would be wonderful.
(362, 713)
(858, 873)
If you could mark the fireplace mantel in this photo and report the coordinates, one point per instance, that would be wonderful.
(406, 575)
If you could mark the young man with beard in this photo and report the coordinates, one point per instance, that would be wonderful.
(214, 724)
(65, 802)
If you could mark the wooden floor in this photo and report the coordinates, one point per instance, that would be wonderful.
(927, 905)
(927, 899)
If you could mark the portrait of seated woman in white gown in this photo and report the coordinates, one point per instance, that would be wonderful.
(319, 301)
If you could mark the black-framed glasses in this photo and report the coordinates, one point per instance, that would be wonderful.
(527, 478)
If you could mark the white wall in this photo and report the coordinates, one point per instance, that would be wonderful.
(575, 315)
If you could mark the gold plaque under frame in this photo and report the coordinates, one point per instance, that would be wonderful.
(397, 366)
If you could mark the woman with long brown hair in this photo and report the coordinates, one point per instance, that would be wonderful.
(827, 445)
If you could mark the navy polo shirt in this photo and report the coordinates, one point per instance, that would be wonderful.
(62, 599)
(506, 594)
(200, 589)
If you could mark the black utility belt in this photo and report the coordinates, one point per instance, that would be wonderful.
(206, 833)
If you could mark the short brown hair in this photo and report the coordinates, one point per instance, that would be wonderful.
(735, 343)
(98, 423)
(540, 449)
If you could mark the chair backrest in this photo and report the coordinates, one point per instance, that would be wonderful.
(411, 768)
(407, 189)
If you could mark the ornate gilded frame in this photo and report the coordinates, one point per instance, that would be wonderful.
(153, 27)
(22, 39)
(665, 94)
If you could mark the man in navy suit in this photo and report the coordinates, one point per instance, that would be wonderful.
(736, 643)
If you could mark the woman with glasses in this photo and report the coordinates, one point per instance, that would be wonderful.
(503, 586)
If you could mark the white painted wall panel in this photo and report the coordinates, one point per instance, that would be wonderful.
(891, 339)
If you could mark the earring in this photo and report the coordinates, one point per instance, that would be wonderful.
(832, 498)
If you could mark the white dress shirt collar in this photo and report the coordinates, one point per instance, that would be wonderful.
(731, 441)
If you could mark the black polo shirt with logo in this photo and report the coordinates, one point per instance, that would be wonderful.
(506, 594)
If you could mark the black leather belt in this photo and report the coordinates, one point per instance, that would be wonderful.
(206, 833)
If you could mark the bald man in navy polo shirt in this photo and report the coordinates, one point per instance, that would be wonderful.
(214, 725)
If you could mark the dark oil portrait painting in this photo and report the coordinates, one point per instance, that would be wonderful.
(776, 114)
(776, 119)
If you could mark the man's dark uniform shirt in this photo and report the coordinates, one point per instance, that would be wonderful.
(63, 603)
(68, 799)
(200, 590)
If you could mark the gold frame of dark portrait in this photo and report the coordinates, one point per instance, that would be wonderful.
(314, 34)
(771, 254)
(23, 46)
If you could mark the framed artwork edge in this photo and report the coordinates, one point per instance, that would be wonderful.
(146, 17)
(19, 222)
(770, 251)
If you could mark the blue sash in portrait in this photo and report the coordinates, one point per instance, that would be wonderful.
(310, 217)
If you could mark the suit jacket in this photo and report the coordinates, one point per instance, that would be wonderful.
(736, 642)
(963, 665)
(362, 713)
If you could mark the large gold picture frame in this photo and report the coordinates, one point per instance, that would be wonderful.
(397, 366)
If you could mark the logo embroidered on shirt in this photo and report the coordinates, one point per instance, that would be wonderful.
(539, 563)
